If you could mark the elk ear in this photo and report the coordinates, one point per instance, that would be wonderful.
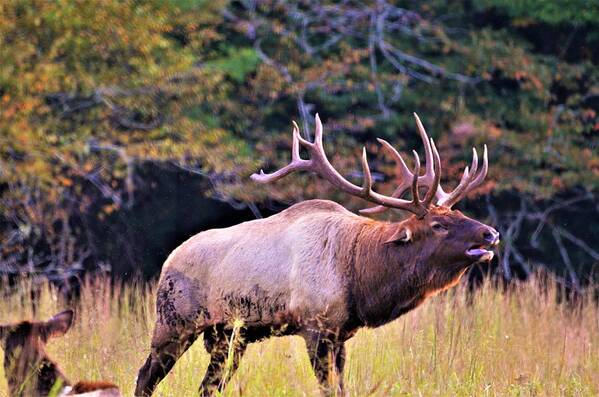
(59, 324)
(4, 330)
(401, 236)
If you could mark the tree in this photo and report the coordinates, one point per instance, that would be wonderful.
(98, 91)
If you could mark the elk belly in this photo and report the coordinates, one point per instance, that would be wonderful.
(254, 306)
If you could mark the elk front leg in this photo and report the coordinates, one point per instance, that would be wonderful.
(161, 360)
(339, 355)
(217, 342)
(178, 323)
(327, 355)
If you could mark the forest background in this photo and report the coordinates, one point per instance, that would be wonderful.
(126, 127)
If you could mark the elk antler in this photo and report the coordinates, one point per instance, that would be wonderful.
(320, 164)
(470, 179)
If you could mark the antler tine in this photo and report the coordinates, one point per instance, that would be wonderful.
(296, 134)
(474, 180)
(429, 179)
(402, 172)
(401, 169)
(435, 185)
(471, 178)
(468, 182)
(428, 153)
(466, 179)
(416, 173)
(445, 199)
(295, 154)
(367, 184)
(474, 159)
(297, 163)
(483, 173)
(320, 164)
(318, 131)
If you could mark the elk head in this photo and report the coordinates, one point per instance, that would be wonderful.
(451, 237)
(25, 359)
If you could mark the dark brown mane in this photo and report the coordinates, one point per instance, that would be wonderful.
(390, 279)
(374, 298)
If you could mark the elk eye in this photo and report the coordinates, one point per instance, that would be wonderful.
(438, 227)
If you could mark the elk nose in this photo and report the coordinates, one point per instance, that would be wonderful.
(490, 235)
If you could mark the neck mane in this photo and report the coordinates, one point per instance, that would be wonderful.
(392, 279)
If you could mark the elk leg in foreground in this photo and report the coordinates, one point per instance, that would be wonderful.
(327, 356)
(217, 342)
(339, 355)
(161, 360)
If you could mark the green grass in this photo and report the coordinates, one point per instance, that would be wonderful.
(520, 343)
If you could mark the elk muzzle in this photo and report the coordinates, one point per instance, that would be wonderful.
(480, 252)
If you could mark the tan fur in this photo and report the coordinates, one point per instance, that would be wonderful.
(279, 254)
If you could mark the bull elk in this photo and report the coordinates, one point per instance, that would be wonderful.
(28, 369)
(316, 269)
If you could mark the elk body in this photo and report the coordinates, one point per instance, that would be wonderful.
(315, 270)
(31, 373)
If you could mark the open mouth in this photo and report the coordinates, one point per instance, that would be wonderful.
(480, 252)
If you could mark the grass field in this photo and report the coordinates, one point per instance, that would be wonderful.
(495, 343)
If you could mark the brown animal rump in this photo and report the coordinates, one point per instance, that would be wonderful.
(316, 269)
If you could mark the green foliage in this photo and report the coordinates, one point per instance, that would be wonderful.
(491, 84)
(237, 64)
(91, 91)
(552, 12)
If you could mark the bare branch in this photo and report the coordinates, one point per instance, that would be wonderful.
(579, 242)
(566, 259)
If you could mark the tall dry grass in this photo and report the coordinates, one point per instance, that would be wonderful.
(493, 343)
